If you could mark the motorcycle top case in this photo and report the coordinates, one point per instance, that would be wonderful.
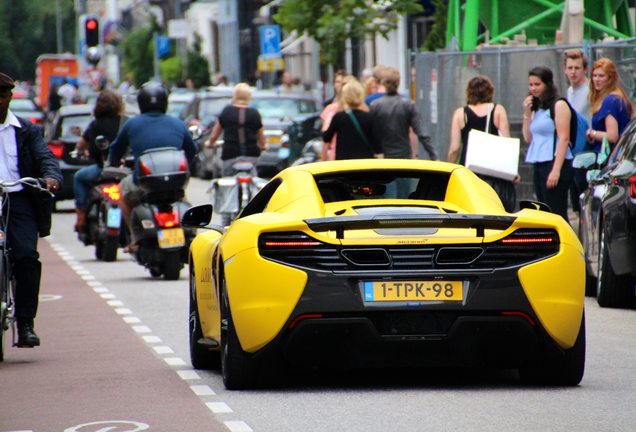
(162, 170)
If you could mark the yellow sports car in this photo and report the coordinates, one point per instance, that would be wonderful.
(385, 262)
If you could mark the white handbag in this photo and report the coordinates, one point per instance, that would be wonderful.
(492, 155)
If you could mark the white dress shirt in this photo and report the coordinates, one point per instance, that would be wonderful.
(9, 151)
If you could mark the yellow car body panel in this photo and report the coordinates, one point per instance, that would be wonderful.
(201, 251)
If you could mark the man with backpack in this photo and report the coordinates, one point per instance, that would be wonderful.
(575, 68)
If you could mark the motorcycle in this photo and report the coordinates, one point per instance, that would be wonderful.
(312, 152)
(161, 243)
(231, 194)
(103, 226)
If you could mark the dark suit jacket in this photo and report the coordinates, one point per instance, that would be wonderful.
(35, 159)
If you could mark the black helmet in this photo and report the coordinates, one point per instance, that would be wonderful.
(152, 97)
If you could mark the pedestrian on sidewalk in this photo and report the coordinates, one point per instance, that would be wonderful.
(482, 114)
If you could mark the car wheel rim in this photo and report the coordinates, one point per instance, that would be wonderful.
(600, 263)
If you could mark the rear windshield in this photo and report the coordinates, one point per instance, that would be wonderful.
(383, 184)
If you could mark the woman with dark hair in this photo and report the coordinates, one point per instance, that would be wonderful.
(611, 109)
(107, 122)
(481, 114)
(549, 139)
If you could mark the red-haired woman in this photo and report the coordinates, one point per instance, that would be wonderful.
(610, 107)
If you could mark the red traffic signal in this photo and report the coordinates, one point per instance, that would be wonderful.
(91, 32)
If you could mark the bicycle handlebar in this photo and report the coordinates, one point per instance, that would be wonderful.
(27, 181)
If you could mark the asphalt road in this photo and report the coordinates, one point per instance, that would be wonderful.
(115, 347)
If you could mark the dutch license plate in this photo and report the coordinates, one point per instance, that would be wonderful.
(171, 237)
(384, 291)
(113, 217)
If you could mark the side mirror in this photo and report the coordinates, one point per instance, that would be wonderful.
(585, 160)
(198, 216)
(102, 142)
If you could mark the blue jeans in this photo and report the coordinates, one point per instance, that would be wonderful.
(83, 182)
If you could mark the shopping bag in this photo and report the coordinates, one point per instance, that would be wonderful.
(492, 155)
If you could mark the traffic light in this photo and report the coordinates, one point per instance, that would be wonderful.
(91, 32)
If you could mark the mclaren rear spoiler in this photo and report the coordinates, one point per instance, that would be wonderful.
(340, 224)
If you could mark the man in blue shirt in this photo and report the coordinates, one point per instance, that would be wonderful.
(152, 129)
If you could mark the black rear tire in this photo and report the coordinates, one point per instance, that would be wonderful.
(200, 356)
(172, 266)
(238, 369)
(109, 248)
(612, 291)
(565, 370)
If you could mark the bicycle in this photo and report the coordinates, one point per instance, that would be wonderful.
(7, 281)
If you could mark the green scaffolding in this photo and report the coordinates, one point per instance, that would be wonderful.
(470, 20)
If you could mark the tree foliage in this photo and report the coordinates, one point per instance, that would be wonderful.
(332, 22)
(197, 67)
(28, 29)
(436, 39)
(137, 52)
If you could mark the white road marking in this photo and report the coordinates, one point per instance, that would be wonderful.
(175, 361)
(152, 339)
(219, 407)
(202, 390)
(238, 426)
(142, 329)
(163, 350)
(188, 375)
(49, 297)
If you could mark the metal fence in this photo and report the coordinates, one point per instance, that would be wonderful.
(441, 79)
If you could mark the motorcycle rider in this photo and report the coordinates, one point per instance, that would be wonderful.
(149, 130)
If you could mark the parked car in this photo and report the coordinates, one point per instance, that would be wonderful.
(62, 135)
(178, 101)
(201, 113)
(607, 227)
(290, 120)
(385, 263)
(27, 108)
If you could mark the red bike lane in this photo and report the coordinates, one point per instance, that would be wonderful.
(91, 370)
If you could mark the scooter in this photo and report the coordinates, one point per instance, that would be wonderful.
(103, 216)
(231, 194)
(162, 244)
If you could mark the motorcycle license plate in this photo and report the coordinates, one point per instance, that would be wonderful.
(113, 218)
(172, 237)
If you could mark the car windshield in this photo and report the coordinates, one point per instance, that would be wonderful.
(283, 107)
(75, 125)
(382, 184)
(209, 109)
(22, 105)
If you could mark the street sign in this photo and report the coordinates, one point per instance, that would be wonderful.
(271, 64)
(270, 41)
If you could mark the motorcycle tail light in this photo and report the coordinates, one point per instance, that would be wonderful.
(57, 147)
(167, 219)
(244, 179)
(145, 169)
(111, 191)
(632, 186)
(183, 165)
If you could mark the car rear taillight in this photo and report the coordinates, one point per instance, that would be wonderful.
(531, 237)
(286, 240)
(632, 186)
(244, 179)
(303, 317)
(169, 219)
(111, 191)
(35, 120)
(57, 147)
